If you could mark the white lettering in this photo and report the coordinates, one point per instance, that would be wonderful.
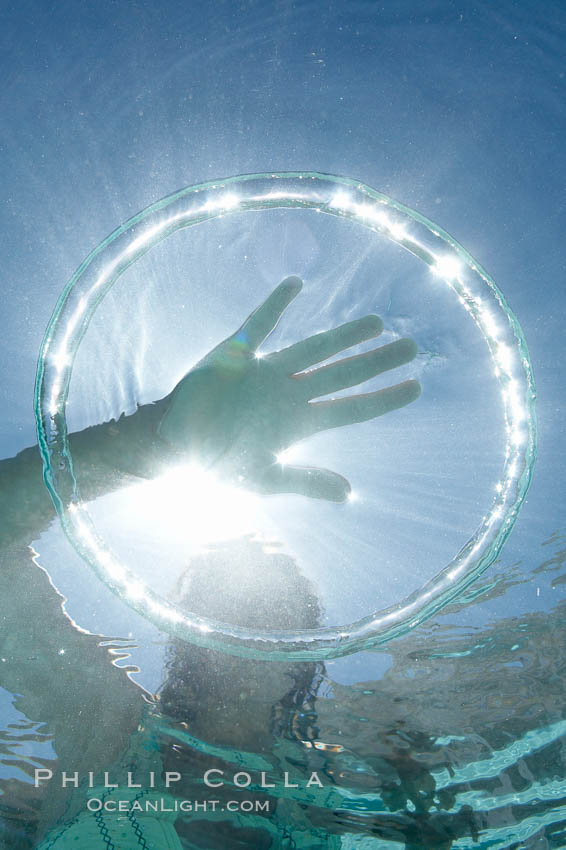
(171, 776)
(246, 781)
(207, 780)
(70, 780)
(107, 783)
(264, 782)
(314, 780)
(131, 783)
(287, 783)
(42, 774)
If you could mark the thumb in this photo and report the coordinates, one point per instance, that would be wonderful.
(307, 481)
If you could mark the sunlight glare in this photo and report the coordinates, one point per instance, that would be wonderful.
(190, 503)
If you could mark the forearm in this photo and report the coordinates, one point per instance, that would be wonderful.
(105, 457)
(40, 647)
(61, 673)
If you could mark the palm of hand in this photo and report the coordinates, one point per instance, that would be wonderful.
(236, 411)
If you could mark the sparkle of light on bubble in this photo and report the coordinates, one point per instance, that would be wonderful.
(143, 240)
(504, 357)
(447, 267)
(340, 201)
(136, 590)
(397, 231)
(369, 213)
(223, 204)
(61, 360)
(489, 324)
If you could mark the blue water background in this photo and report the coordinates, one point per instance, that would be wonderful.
(456, 109)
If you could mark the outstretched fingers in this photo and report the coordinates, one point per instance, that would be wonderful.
(360, 408)
(321, 346)
(355, 370)
(263, 320)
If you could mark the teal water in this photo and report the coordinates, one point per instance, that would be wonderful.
(458, 743)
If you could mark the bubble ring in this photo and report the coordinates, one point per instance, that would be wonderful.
(340, 197)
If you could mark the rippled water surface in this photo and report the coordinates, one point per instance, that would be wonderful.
(451, 737)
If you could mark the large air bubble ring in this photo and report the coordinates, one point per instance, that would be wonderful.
(344, 198)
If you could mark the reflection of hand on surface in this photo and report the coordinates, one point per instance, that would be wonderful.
(237, 410)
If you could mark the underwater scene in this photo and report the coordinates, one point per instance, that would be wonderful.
(282, 494)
